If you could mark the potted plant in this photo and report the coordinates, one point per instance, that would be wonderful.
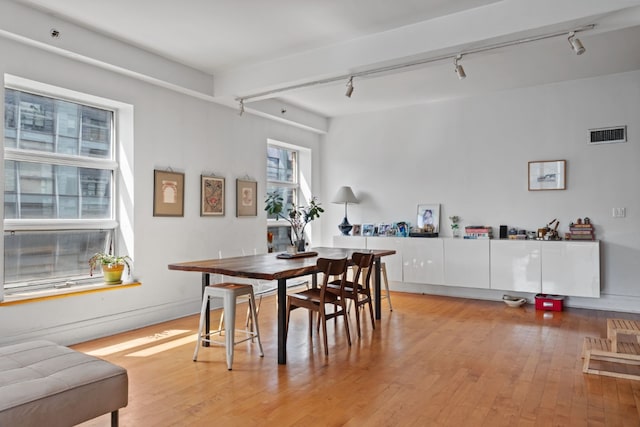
(297, 216)
(112, 266)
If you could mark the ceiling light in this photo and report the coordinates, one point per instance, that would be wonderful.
(576, 44)
(349, 87)
(459, 70)
(241, 106)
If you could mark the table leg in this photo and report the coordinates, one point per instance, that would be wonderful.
(207, 325)
(282, 321)
(376, 280)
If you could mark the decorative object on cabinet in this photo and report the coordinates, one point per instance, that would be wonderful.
(168, 193)
(429, 218)
(455, 227)
(478, 232)
(547, 175)
(384, 229)
(357, 230)
(345, 195)
(368, 230)
(581, 230)
(211, 196)
(402, 229)
(297, 216)
(246, 193)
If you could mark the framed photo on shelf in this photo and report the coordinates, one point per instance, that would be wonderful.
(246, 194)
(211, 196)
(547, 175)
(168, 193)
(384, 229)
(429, 218)
(368, 229)
(356, 230)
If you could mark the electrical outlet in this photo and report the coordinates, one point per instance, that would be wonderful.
(619, 212)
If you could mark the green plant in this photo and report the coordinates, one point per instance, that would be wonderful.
(297, 216)
(101, 258)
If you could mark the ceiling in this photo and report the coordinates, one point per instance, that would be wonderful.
(255, 48)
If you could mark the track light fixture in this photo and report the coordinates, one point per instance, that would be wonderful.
(241, 107)
(459, 70)
(575, 43)
(349, 87)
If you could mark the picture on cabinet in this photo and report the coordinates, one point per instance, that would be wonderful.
(356, 230)
(368, 229)
(429, 218)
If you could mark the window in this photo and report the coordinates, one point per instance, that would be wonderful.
(282, 176)
(59, 195)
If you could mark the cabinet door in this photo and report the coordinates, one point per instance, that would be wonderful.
(422, 261)
(466, 263)
(515, 265)
(393, 262)
(571, 268)
(351, 242)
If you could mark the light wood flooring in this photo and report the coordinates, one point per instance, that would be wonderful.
(433, 361)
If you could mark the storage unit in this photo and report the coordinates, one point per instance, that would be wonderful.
(423, 261)
(515, 265)
(466, 263)
(571, 268)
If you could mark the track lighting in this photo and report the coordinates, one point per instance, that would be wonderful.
(241, 106)
(459, 70)
(576, 44)
(349, 87)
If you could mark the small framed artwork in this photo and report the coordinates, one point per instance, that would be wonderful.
(368, 229)
(356, 230)
(168, 193)
(246, 194)
(429, 218)
(547, 175)
(211, 196)
(384, 229)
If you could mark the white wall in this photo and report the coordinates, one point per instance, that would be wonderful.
(171, 130)
(470, 155)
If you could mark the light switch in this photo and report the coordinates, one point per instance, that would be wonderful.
(619, 212)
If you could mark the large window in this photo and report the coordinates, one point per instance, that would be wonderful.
(59, 188)
(283, 177)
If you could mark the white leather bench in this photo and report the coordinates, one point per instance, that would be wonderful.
(45, 384)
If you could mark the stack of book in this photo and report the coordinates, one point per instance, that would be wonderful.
(581, 232)
(478, 232)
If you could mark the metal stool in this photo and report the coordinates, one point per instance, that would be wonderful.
(228, 292)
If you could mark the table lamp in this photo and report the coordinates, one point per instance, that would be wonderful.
(345, 195)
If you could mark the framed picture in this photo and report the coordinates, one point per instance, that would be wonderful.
(429, 218)
(384, 229)
(356, 230)
(168, 193)
(246, 194)
(211, 196)
(368, 229)
(548, 175)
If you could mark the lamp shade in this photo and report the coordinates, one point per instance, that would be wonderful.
(345, 195)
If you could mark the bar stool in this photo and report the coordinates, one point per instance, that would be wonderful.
(383, 278)
(229, 292)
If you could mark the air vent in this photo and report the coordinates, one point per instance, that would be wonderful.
(608, 135)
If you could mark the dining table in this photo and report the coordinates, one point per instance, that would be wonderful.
(280, 267)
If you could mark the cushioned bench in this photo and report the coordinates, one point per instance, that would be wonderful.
(45, 384)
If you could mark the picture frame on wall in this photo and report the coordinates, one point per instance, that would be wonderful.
(547, 175)
(429, 217)
(246, 198)
(212, 196)
(168, 193)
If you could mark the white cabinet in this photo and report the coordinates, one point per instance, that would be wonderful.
(392, 262)
(466, 263)
(515, 265)
(422, 261)
(571, 268)
(351, 242)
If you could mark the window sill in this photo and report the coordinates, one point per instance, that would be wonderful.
(49, 294)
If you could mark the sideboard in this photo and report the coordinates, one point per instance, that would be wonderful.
(569, 268)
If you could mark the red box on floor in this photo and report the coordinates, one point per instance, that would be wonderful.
(549, 302)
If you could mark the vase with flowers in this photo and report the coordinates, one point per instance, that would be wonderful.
(297, 216)
(455, 227)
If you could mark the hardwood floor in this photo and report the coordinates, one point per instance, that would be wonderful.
(433, 361)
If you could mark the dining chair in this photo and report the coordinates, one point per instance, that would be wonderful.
(316, 299)
(357, 289)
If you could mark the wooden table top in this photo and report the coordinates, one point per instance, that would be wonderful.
(268, 266)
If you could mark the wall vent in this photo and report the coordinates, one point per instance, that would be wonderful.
(608, 135)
